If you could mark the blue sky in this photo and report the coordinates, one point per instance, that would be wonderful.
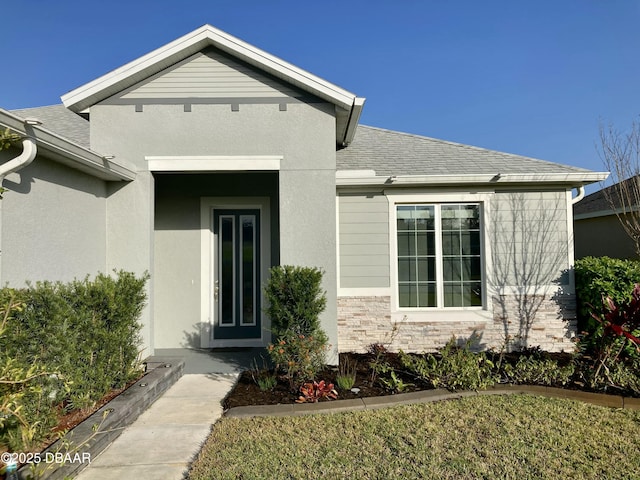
(534, 78)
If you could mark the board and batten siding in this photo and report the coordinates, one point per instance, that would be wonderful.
(363, 241)
(210, 74)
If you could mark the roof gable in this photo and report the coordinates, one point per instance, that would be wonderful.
(348, 105)
(207, 74)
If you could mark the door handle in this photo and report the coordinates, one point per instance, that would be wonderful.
(216, 290)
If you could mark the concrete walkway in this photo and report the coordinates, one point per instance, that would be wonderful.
(163, 441)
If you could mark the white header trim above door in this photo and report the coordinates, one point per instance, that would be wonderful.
(213, 163)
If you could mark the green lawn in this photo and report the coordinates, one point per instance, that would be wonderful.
(502, 437)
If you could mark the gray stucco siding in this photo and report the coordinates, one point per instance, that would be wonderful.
(177, 246)
(53, 223)
(303, 136)
(363, 240)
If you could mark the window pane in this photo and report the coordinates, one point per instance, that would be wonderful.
(471, 269)
(407, 295)
(425, 243)
(473, 295)
(451, 269)
(426, 269)
(248, 269)
(427, 295)
(450, 243)
(406, 269)
(470, 243)
(406, 243)
(450, 217)
(226, 271)
(405, 218)
(452, 295)
(424, 215)
(471, 217)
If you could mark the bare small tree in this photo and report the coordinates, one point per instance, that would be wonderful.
(529, 256)
(620, 153)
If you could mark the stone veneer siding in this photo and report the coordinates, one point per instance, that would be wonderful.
(363, 321)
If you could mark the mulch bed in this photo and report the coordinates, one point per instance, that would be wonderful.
(247, 393)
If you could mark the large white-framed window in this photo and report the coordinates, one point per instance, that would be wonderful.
(439, 253)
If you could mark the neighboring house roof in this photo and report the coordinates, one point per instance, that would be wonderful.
(597, 204)
(377, 154)
(348, 105)
(64, 147)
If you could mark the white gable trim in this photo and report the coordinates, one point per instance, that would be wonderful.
(213, 163)
(103, 87)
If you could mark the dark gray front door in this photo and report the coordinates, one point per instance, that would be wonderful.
(236, 274)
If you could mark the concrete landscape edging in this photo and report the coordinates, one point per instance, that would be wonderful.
(111, 420)
(427, 396)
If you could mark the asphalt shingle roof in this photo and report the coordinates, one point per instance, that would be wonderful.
(600, 200)
(386, 151)
(61, 121)
(396, 153)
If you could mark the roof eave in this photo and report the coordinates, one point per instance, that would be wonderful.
(575, 179)
(69, 153)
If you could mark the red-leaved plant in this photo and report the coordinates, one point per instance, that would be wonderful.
(622, 320)
(312, 392)
(619, 322)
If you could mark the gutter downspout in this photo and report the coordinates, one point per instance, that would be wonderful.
(29, 151)
(579, 196)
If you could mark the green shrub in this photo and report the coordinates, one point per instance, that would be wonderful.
(612, 375)
(21, 394)
(538, 371)
(457, 368)
(599, 277)
(301, 357)
(295, 300)
(84, 334)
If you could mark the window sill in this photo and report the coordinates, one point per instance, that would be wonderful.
(441, 315)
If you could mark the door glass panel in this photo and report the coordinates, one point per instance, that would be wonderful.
(227, 261)
(248, 269)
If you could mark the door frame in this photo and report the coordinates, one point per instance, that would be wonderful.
(207, 267)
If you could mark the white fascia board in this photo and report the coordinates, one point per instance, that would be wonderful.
(70, 153)
(81, 97)
(354, 119)
(345, 179)
(213, 163)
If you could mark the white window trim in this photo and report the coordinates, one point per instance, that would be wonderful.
(440, 313)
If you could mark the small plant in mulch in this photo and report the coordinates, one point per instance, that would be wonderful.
(263, 376)
(346, 377)
(315, 391)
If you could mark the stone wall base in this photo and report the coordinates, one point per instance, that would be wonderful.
(548, 322)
